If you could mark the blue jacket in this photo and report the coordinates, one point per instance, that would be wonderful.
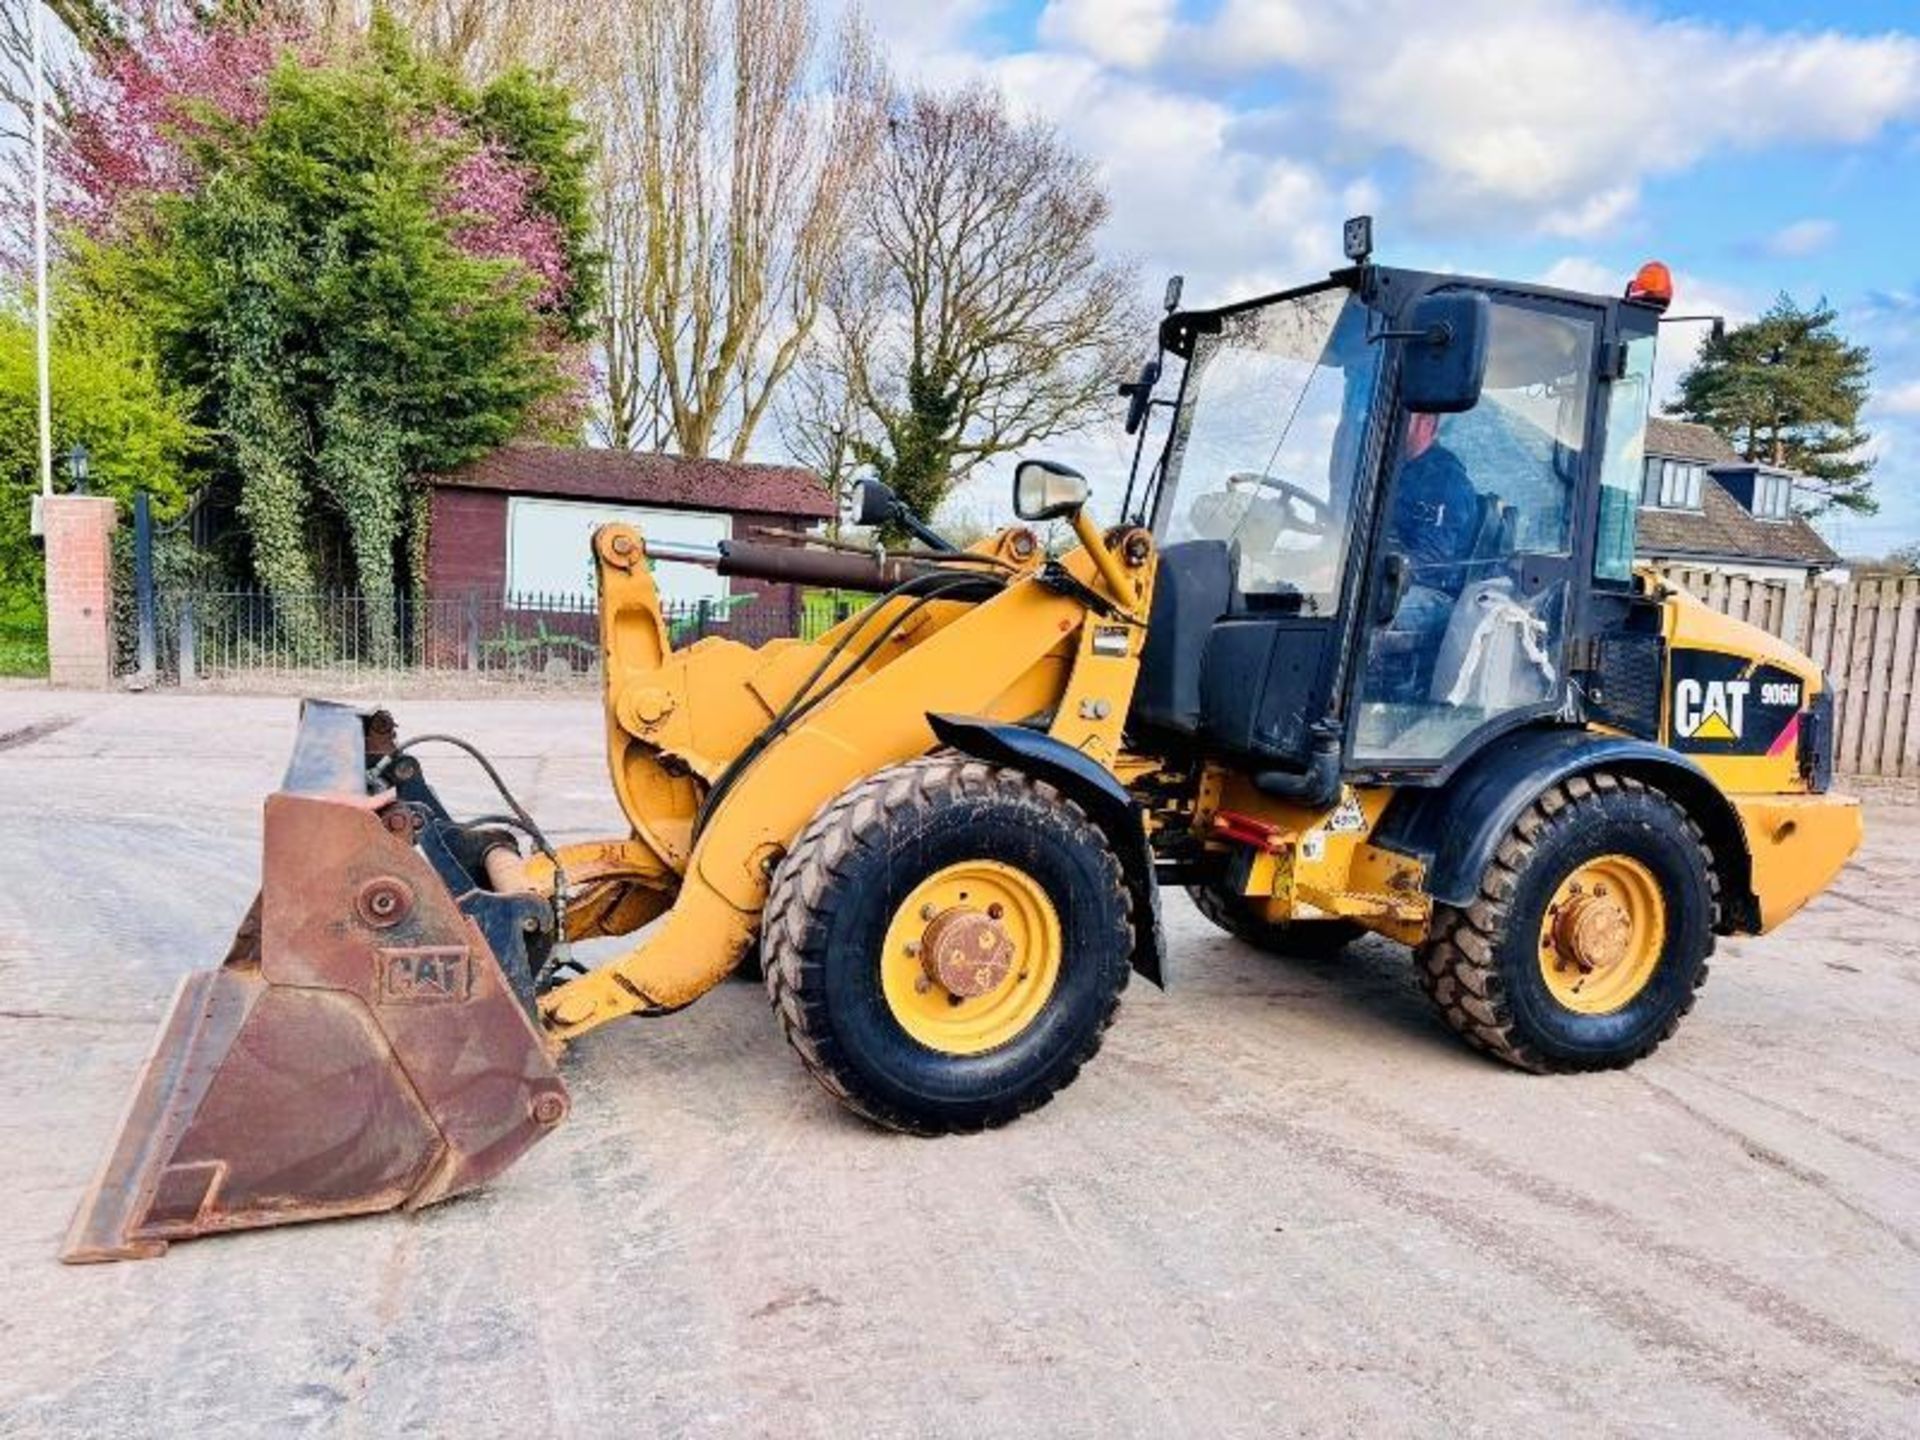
(1436, 517)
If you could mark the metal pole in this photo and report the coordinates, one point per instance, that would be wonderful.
(189, 661)
(40, 243)
(143, 580)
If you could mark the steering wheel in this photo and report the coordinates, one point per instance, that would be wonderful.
(1319, 518)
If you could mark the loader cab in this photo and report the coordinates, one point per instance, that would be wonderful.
(1388, 505)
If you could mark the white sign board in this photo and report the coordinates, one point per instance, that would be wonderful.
(550, 548)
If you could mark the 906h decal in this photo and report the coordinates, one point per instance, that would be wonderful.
(1724, 705)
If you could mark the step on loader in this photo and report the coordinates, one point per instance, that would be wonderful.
(1367, 651)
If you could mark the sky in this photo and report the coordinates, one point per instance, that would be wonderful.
(1752, 148)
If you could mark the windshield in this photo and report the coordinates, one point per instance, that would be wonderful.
(1265, 450)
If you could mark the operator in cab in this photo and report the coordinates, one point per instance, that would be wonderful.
(1435, 523)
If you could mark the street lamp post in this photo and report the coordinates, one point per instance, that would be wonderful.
(78, 467)
(40, 243)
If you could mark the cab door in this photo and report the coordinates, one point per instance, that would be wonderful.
(1474, 575)
(1276, 423)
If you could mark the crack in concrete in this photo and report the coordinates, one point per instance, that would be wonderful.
(38, 730)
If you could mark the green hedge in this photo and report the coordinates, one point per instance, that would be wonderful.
(23, 637)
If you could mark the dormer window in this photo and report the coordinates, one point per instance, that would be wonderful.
(1773, 496)
(1673, 484)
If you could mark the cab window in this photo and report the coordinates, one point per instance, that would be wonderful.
(1478, 529)
(1268, 444)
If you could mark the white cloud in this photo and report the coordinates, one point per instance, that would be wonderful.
(1595, 215)
(1127, 33)
(1552, 112)
(1801, 239)
(1900, 399)
(915, 31)
(1183, 193)
(1546, 107)
(1583, 273)
(1255, 34)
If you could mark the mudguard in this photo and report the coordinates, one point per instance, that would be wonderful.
(1454, 829)
(1094, 788)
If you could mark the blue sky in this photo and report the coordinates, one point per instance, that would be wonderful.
(1753, 148)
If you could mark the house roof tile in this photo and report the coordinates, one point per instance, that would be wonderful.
(1724, 529)
(1684, 440)
(624, 476)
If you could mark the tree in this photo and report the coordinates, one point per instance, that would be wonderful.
(484, 39)
(973, 315)
(108, 396)
(733, 149)
(1903, 561)
(819, 428)
(87, 25)
(366, 268)
(1787, 390)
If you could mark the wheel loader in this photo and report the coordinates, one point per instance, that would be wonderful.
(1365, 650)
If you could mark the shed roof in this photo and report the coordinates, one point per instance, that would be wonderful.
(676, 482)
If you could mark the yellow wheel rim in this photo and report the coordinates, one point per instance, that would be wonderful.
(971, 957)
(1603, 934)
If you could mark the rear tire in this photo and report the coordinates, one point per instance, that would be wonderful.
(854, 878)
(1491, 972)
(1301, 939)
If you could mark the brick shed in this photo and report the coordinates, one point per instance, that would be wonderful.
(513, 528)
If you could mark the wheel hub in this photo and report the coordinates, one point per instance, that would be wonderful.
(1603, 934)
(971, 957)
(1592, 932)
(966, 951)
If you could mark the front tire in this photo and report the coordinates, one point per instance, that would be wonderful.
(1590, 933)
(946, 943)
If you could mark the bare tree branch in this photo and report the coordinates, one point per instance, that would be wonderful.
(734, 146)
(973, 315)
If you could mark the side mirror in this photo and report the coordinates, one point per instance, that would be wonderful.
(1047, 490)
(1139, 395)
(1443, 362)
(874, 503)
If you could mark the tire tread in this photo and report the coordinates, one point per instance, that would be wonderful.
(804, 888)
(1457, 966)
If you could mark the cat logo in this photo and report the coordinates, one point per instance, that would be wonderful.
(1710, 709)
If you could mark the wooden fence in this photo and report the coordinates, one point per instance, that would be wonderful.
(1862, 635)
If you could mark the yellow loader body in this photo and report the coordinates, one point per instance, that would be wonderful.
(1390, 672)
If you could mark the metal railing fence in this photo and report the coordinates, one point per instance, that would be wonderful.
(213, 635)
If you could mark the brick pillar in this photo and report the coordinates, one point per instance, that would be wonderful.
(79, 534)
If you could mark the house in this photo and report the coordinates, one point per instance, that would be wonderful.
(514, 528)
(1705, 508)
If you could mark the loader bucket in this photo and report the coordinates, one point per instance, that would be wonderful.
(360, 1049)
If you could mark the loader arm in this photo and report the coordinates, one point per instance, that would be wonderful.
(1053, 642)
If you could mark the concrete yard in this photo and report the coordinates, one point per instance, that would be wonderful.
(1283, 1200)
